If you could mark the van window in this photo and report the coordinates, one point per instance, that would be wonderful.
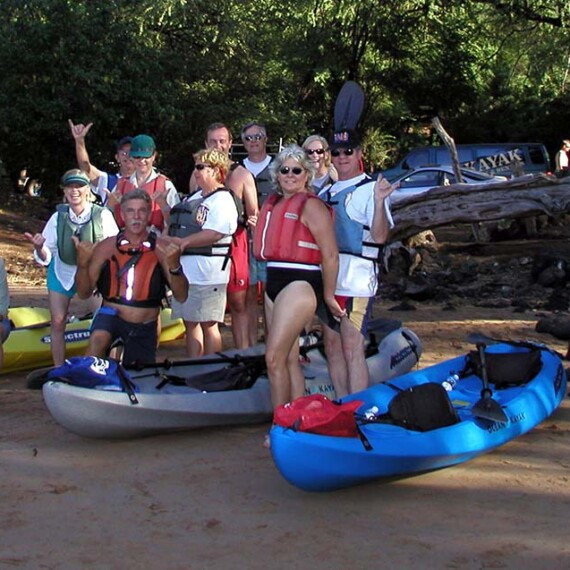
(536, 155)
(416, 159)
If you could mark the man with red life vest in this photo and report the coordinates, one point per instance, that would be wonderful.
(132, 272)
(295, 235)
(362, 225)
(161, 190)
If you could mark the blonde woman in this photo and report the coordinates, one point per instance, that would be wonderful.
(317, 149)
(54, 249)
(203, 224)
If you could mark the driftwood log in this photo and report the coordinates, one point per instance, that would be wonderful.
(522, 197)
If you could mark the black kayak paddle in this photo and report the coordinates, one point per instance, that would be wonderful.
(487, 408)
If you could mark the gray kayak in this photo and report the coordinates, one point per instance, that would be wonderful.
(164, 405)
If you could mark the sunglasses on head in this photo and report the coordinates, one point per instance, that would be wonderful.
(311, 151)
(201, 166)
(345, 151)
(295, 170)
(256, 137)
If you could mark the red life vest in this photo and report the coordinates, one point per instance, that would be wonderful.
(153, 187)
(281, 236)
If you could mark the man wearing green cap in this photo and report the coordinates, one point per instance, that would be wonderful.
(161, 190)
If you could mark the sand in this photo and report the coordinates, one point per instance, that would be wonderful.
(213, 498)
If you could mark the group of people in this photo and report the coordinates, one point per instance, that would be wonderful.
(305, 228)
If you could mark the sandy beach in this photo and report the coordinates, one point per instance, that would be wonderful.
(213, 498)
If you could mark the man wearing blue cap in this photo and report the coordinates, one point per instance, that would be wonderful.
(102, 183)
(362, 225)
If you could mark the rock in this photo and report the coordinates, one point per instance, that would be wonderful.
(558, 327)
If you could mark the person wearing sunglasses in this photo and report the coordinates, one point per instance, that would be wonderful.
(102, 183)
(242, 184)
(362, 224)
(53, 248)
(317, 149)
(132, 271)
(254, 138)
(203, 224)
(295, 236)
(160, 188)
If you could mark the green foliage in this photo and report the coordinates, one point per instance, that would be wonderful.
(491, 69)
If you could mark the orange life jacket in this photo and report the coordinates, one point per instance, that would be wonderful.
(133, 278)
(281, 236)
(153, 187)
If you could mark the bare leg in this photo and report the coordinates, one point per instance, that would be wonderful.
(286, 318)
(212, 337)
(240, 320)
(58, 306)
(99, 343)
(353, 352)
(338, 370)
(252, 314)
(194, 339)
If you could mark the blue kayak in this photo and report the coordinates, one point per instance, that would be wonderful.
(324, 463)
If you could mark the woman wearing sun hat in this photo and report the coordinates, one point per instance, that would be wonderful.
(54, 248)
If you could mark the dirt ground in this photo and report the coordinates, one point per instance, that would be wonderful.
(213, 498)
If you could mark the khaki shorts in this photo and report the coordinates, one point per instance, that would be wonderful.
(205, 303)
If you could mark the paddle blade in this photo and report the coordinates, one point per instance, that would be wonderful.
(480, 338)
(348, 106)
(488, 409)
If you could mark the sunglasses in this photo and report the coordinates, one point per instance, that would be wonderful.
(295, 170)
(256, 137)
(201, 166)
(319, 151)
(125, 246)
(345, 151)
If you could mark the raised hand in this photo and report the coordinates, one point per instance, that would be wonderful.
(80, 130)
(37, 240)
(382, 188)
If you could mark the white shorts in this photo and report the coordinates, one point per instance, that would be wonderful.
(205, 303)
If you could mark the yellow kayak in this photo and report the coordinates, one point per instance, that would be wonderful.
(28, 345)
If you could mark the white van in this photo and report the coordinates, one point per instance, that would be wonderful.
(494, 158)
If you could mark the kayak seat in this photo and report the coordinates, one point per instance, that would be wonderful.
(424, 407)
(240, 375)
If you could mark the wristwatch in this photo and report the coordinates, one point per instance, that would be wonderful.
(177, 271)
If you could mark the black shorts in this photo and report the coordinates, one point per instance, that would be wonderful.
(139, 339)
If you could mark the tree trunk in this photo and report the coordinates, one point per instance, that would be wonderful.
(470, 203)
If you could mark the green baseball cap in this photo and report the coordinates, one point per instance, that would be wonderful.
(75, 177)
(142, 146)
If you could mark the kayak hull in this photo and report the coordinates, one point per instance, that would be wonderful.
(323, 463)
(103, 414)
(28, 345)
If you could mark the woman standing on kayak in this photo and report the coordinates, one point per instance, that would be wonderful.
(295, 234)
(55, 249)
